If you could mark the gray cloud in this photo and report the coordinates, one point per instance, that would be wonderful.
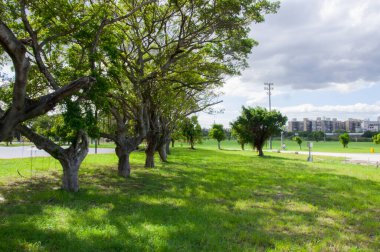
(315, 44)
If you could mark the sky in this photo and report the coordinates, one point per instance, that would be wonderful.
(323, 57)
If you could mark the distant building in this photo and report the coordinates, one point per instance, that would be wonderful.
(353, 125)
(295, 125)
(373, 126)
(329, 125)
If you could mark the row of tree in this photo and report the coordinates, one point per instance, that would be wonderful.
(123, 70)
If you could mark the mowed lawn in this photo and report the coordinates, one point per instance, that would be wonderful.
(202, 200)
(328, 146)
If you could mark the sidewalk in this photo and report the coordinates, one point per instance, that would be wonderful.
(352, 157)
(29, 151)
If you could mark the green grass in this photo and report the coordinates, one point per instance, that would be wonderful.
(333, 146)
(202, 200)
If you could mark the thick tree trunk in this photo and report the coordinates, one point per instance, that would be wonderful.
(70, 158)
(124, 167)
(149, 159)
(162, 152)
(70, 175)
(242, 146)
(261, 153)
(173, 141)
(153, 143)
(219, 145)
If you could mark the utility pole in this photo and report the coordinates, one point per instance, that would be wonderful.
(269, 87)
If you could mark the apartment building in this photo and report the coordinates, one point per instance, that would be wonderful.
(373, 126)
(326, 125)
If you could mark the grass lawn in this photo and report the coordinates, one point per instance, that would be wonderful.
(333, 146)
(202, 200)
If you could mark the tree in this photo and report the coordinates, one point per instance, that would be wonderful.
(180, 45)
(191, 130)
(241, 136)
(258, 124)
(217, 132)
(298, 140)
(176, 135)
(376, 138)
(369, 134)
(344, 139)
(318, 135)
(64, 39)
(24, 28)
(73, 126)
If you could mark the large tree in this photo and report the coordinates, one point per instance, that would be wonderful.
(259, 125)
(64, 39)
(31, 33)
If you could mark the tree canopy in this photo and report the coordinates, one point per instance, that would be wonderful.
(191, 130)
(217, 132)
(376, 138)
(258, 124)
(142, 66)
(298, 140)
(344, 139)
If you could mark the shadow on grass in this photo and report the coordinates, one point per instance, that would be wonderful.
(189, 204)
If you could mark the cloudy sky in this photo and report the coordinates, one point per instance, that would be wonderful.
(323, 57)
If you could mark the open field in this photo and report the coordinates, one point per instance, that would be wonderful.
(353, 147)
(329, 146)
(202, 200)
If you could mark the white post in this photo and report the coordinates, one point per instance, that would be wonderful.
(310, 145)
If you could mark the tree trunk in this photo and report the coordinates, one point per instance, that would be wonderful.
(173, 141)
(70, 158)
(261, 153)
(149, 159)
(192, 144)
(70, 175)
(123, 167)
(242, 146)
(152, 144)
(162, 152)
(219, 145)
(167, 146)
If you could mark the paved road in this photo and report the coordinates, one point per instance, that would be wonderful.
(354, 157)
(28, 151)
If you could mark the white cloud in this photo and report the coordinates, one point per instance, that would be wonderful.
(358, 110)
(253, 92)
(352, 86)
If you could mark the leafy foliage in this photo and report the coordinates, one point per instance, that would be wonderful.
(241, 136)
(191, 130)
(256, 125)
(298, 140)
(217, 132)
(318, 135)
(376, 138)
(344, 139)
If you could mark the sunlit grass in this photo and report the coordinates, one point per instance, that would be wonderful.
(202, 200)
(328, 146)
